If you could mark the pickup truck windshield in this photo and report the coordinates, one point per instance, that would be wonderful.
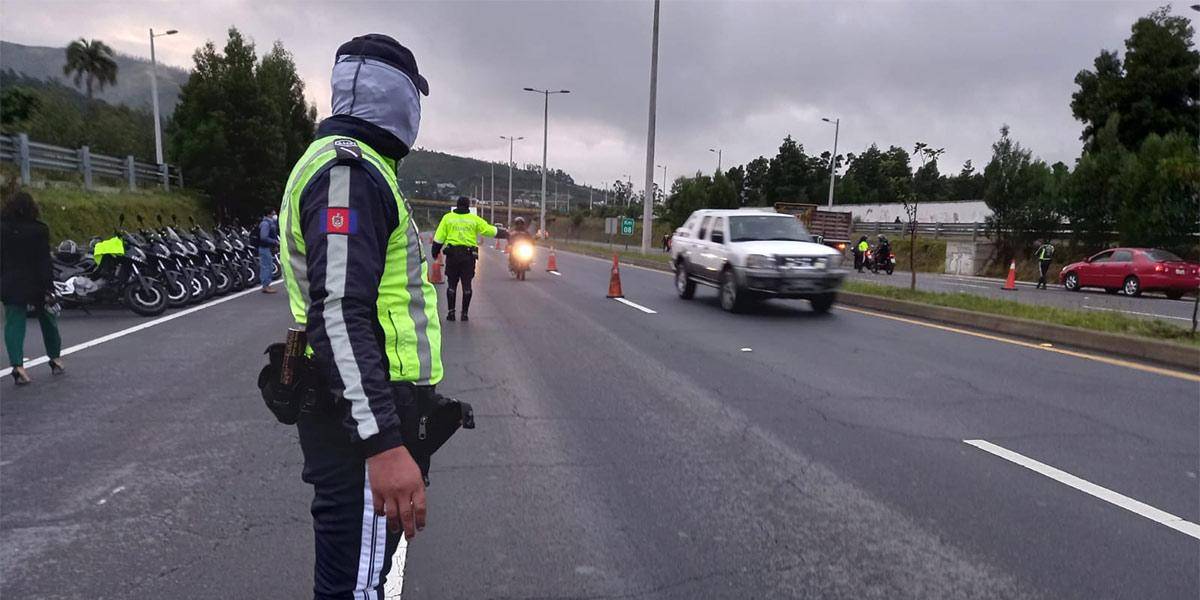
(767, 227)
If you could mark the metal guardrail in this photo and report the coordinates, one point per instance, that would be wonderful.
(972, 230)
(30, 156)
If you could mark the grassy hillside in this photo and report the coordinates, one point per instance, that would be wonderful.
(72, 213)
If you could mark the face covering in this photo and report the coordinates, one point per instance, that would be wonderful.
(378, 93)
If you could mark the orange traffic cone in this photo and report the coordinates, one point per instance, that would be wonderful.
(614, 282)
(1011, 283)
(496, 245)
(435, 271)
(552, 262)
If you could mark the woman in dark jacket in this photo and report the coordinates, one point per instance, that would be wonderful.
(26, 280)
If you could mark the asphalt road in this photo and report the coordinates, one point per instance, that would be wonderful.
(1150, 305)
(687, 453)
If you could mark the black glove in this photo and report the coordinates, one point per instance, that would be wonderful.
(501, 233)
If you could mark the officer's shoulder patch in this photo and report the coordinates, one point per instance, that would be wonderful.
(347, 148)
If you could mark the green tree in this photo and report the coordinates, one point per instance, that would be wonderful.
(790, 174)
(241, 124)
(1019, 191)
(967, 185)
(1158, 187)
(91, 62)
(755, 190)
(17, 105)
(1155, 91)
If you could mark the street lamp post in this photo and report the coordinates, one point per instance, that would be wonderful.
(492, 199)
(510, 139)
(158, 154)
(837, 126)
(663, 189)
(648, 203)
(545, 142)
(718, 152)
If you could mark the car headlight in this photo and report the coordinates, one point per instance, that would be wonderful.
(760, 261)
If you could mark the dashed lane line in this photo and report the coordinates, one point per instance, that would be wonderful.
(637, 306)
(136, 328)
(1087, 487)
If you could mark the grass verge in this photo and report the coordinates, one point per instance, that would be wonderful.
(72, 213)
(1110, 322)
(654, 260)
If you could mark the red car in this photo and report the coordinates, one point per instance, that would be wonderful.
(1133, 270)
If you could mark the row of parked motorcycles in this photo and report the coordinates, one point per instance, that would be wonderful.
(152, 269)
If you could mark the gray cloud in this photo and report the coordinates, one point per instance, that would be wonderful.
(735, 75)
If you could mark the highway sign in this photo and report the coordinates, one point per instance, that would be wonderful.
(626, 226)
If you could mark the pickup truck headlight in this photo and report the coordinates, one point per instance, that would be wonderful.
(760, 261)
(833, 261)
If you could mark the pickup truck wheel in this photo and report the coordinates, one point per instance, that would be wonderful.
(732, 298)
(683, 284)
(822, 303)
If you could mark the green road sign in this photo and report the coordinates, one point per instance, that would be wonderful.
(626, 226)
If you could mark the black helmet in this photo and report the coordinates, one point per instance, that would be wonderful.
(68, 247)
(518, 221)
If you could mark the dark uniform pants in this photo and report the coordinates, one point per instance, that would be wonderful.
(1043, 268)
(354, 548)
(460, 267)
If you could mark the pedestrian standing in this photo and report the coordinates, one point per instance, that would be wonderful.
(1045, 253)
(268, 240)
(26, 280)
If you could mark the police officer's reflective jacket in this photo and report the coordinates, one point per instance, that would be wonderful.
(356, 278)
(462, 229)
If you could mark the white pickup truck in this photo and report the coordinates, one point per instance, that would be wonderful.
(751, 254)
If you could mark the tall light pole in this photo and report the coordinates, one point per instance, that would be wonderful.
(837, 126)
(492, 200)
(718, 153)
(664, 184)
(648, 203)
(545, 142)
(510, 139)
(158, 157)
(629, 197)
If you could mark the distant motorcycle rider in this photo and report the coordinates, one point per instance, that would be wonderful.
(883, 249)
(518, 233)
(457, 235)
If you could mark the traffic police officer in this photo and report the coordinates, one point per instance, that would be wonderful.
(1045, 253)
(457, 235)
(356, 280)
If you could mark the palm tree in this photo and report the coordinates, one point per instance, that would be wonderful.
(91, 62)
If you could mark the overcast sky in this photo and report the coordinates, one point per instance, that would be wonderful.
(732, 75)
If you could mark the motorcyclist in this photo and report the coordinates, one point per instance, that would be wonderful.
(519, 232)
(883, 249)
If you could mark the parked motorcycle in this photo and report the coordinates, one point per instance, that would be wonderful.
(888, 263)
(115, 273)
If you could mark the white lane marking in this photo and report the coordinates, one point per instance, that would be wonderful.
(555, 273)
(747, 349)
(1087, 487)
(624, 264)
(1134, 312)
(636, 305)
(970, 285)
(136, 328)
(116, 490)
(393, 585)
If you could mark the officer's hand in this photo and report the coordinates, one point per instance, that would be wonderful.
(397, 490)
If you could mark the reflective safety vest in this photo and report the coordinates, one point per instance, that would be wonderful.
(462, 229)
(406, 305)
(863, 246)
(1045, 252)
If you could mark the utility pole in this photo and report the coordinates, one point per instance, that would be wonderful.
(492, 201)
(648, 203)
(545, 143)
(158, 153)
(837, 126)
(510, 172)
(718, 153)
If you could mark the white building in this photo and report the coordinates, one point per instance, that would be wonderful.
(965, 211)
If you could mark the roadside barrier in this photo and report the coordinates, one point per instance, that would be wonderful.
(614, 281)
(1011, 283)
(552, 262)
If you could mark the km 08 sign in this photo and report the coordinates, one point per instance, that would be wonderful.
(626, 226)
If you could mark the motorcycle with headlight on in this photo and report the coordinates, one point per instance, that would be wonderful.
(520, 256)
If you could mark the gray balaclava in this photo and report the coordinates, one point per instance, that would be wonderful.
(376, 79)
